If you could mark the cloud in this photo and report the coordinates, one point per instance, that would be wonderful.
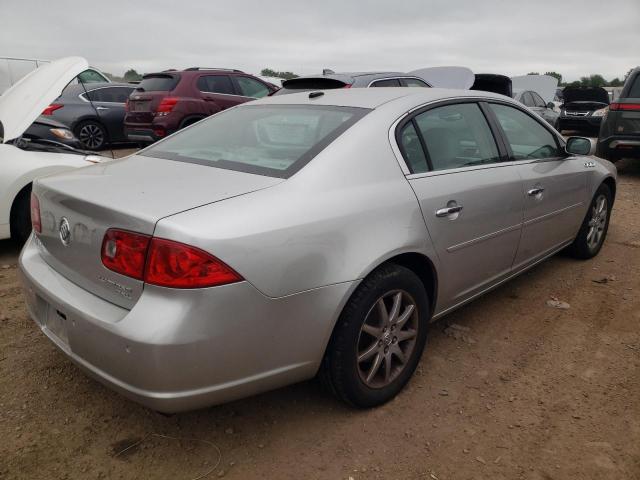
(573, 37)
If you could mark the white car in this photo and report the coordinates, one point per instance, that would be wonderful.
(22, 160)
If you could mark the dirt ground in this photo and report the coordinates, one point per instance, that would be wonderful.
(516, 389)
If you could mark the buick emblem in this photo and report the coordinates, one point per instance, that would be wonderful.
(65, 231)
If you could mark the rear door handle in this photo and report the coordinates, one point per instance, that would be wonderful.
(535, 191)
(102, 108)
(445, 212)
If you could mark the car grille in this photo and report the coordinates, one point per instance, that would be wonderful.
(576, 114)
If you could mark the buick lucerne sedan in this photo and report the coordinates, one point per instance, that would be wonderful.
(299, 235)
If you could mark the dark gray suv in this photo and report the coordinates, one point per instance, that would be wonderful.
(620, 128)
(329, 80)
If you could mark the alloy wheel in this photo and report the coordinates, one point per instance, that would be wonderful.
(91, 135)
(387, 338)
(598, 222)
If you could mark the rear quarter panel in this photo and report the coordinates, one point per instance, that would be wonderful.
(342, 215)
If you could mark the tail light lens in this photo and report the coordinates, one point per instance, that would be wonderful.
(163, 262)
(167, 104)
(36, 222)
(176, 265)
(52, 108)
(125, 252)
(126, 105)
(347, 85)
(625, 106)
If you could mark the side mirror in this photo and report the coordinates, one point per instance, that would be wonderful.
(551, 105)
(580, 146)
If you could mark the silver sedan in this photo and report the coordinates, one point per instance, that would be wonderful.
(305, 234)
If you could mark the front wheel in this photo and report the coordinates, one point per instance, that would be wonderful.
(595, 225)
(379, 338)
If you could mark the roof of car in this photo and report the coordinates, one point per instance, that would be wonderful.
(351, 75)
(374, 97)
(80, 88)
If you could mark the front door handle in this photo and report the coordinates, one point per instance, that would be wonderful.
(445, 212)
(535, 191)
(102, 108)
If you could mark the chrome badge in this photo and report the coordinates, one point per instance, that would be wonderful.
(65, 231)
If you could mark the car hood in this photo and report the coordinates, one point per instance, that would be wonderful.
(543, 85)
(446, 77)
(591, 94)
(493, 82)
(21, 105)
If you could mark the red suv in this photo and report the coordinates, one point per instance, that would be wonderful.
(168, 101)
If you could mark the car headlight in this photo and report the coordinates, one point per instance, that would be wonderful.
(62, 133)
(600, 113)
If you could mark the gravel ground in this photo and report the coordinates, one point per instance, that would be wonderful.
(513, 389)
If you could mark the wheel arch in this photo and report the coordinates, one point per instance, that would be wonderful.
(12, 210)
(91, 119)
(611, 183)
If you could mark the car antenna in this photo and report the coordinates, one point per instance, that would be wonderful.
(86, 93)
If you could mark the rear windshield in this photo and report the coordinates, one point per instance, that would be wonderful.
(306, 84)
(158, 83)
(271, 140)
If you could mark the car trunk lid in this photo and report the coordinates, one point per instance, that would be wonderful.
(145, 99)
(130, 194)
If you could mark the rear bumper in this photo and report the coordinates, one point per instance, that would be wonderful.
(627, 146)
(143, 135)
(180, 350)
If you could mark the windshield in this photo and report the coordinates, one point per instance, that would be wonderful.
(158, 83)
(272, 140)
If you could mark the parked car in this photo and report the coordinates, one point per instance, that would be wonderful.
(25, 158)
(94, 112)
(583, 108)
(52, 131)
(535, 103)
(167, 101)
(620, 129)
(298, 234)
(330, 80)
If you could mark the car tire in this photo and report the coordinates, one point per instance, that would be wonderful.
(92, 135)
(595, 225)
(20, 221)
(363, 364)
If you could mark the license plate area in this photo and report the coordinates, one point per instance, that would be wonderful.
(55, 321)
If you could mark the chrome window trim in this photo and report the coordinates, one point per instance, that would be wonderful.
(411, 176)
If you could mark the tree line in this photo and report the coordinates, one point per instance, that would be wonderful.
(593, 80)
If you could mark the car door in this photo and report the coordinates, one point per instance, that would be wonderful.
(218, 92)
(554, 183)
(471, 199)
(109, 103)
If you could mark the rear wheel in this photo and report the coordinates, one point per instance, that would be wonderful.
(379, 338)
(595, 225)
(92, 135)
(21, 215)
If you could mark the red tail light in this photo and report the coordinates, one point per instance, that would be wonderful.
(347, 85)
(163, 262)
(52, 108)
(167, 104)
(36, 222)
(159, 132)
(625, 106)
(125, 252)
(176, 265)
(126, 105)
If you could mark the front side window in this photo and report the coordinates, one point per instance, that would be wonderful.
(457, 136)
(527, 138)
(391, 82)
(272, 140)
(252, 88)
(216, 84)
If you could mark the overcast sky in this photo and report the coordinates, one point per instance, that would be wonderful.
(572, 37)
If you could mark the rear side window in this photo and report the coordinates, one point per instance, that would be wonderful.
(216, 84)
(110, 94)
(413, 82)
(412, 149)
(272, 140)
(527, 137)
(158, 83)
(252, 88)
(634, 91)
(457, 136)
(390, 82)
